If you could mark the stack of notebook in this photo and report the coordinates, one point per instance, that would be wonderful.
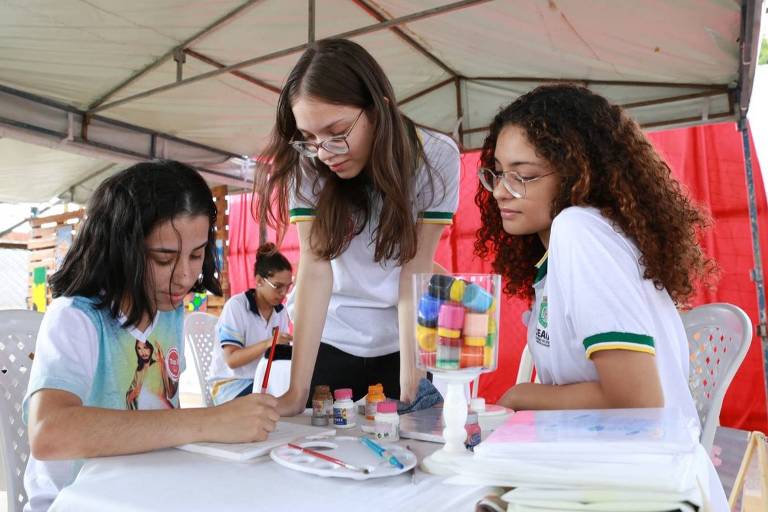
(593, 460)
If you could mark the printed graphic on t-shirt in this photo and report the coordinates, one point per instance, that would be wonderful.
(155, 376)
(542, 338)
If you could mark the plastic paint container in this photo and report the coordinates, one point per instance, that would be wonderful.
(375, 396)
(472, 426)
(320, 416)
(343, 409)
(387, 421)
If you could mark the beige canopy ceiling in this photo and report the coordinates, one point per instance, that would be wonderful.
(197, 80)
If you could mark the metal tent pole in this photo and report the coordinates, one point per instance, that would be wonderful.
(757, 271)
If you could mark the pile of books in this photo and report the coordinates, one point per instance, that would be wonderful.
(613, 459)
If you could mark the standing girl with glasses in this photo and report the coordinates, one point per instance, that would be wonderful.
(371, 194)
(244, 329)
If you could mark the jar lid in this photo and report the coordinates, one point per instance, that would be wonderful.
(477, 404)
(343, 393)
(376, 389)
(387, 406)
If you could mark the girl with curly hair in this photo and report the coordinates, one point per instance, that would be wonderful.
(586, 221)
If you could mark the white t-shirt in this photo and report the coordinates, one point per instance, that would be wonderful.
(362, 312)
(240, 325)
(83, 350)
(591, 295)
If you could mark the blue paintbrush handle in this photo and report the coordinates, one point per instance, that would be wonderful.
(381, 452)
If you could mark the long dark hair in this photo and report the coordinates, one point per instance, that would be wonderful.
(605, 161)
(108, 257)
(270, 261)
(341, 72)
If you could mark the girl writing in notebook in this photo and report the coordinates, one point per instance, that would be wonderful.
(371, 194)
(244, 329)
(112, 338)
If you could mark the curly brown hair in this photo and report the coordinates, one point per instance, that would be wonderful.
(604, 161)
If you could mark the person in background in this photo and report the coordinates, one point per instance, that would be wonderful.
(244, 330)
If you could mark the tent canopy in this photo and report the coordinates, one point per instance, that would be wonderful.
(197, 80)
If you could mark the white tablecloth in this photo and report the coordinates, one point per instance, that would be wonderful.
(174, 480)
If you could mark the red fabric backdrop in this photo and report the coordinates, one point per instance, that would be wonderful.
(707, 159)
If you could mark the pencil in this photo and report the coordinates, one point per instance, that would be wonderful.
(275, 335)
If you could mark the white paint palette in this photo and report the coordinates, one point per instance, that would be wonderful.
(346, 448)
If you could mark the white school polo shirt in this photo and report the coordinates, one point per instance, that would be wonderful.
(362, 312)
(240, 325)
(590, 296)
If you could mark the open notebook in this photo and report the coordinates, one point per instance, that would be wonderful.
(285, 432)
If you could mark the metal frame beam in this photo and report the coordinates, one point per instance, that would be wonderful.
(750, 32)
(674, 99)
(77, 116)
(587, 83)
(239, 74)
(670, 122)
(428, 90)
(377, 14)
(749, 38)
(180, 47)
(428, 13)
(311, 20)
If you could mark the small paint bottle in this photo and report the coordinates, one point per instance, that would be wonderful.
(387, 421)
(375, 395)
(343, 409)
(325, 390)
(319, 413)
(472, 426)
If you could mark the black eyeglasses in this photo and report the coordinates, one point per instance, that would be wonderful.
(337, 145)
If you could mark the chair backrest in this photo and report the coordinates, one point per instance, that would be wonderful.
(525, 369)
(18, 333)
(719, 335)
(200, 331)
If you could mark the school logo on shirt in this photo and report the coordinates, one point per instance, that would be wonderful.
(542, 337)
(543, 313)
(172, 363)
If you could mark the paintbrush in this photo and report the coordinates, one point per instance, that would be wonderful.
(323, 456)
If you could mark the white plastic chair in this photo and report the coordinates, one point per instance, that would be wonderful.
(18, 333)
(719, 335)
(200, 332)
(279, 376)
(525, 369)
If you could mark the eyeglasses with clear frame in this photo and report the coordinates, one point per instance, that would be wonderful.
(279, 288)
(513, 182)
(337, 145)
